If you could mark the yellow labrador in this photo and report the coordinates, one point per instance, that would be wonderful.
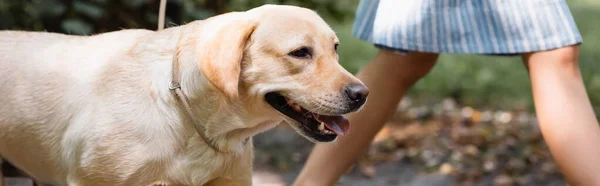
(174, 107)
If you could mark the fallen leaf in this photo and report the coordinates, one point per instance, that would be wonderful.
(446, 169)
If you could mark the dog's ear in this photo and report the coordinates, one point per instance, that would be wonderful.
(221, 48)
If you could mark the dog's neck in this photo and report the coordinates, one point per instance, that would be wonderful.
(226, 122)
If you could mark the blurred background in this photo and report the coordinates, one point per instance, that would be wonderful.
(469, 122)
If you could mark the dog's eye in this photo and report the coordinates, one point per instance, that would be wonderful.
(335, 47)
(301, 53)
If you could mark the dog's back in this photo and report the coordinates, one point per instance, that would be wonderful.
(45, 80)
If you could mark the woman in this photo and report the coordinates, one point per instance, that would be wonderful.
(410, 34)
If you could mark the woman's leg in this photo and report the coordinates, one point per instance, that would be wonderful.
(388, 77)
(565, 114)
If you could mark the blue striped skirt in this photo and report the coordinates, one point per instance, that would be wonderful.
(467, 26)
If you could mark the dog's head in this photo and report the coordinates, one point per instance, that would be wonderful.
(284, 59)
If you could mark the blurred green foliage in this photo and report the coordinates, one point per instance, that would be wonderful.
(84, 17)
(477, 80)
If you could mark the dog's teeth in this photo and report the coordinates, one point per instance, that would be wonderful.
(328, 132)
(322, 126)
(296, 107)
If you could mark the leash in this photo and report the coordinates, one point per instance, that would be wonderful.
(175, 86)
(161, 14)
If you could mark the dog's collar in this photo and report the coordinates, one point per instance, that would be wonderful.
(175, 86)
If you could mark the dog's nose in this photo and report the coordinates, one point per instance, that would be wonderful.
(357, 93)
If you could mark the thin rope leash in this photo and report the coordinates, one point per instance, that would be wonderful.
(175, 85)
(161, 14)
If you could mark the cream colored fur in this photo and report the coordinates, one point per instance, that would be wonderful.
(96, 110)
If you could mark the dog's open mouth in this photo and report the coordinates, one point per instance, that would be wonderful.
(319, 127)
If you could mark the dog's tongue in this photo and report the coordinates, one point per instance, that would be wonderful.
(338, 124)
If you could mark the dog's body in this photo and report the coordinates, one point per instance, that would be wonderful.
(83, 99)
(97, 110)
